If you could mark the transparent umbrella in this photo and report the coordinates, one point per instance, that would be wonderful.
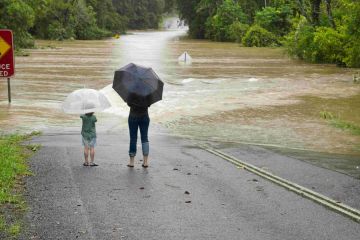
(85, 101)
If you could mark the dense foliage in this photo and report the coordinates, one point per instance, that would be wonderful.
(78, 19)
(257, 36)
(322, 31)
(218, 26)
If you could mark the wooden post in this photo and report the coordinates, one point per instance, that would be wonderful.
(9, 90)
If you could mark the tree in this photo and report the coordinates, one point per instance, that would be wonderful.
(18, 16)
(329, 13)
(218, 26)
(328, 46)
(170, 6)
(84, 21)
(314, 30)
(141, 14)
(315, 11)
(78, 19)
(250, 8)
(257, 36)
(237, 31)
(275, 20)
(54, 19)
(188, 10)
(350, 19)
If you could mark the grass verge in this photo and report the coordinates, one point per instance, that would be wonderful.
(21, 53)
(13, 162)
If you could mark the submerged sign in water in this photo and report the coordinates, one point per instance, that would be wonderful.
(7, 68)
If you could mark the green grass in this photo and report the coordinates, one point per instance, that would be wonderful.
(13, 162)
(346, 126)
(14, 229)
(2, 224)
(339, 123)
(21, 53)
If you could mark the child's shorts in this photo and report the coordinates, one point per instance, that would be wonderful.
(88, 143)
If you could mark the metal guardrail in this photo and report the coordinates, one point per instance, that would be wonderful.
(336, 206)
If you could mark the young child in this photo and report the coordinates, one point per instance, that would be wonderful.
(88, 133)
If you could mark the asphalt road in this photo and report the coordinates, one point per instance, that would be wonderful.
(69, 201)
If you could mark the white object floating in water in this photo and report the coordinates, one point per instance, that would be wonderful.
(253, 79)
(187, 80)
(185, 58)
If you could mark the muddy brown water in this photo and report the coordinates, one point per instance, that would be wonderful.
(228, 94)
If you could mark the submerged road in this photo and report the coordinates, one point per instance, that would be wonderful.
(186, 193)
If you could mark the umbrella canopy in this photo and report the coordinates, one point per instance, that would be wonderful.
(85, 101)
(138, 85)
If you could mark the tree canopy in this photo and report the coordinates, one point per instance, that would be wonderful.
(78, 19)
(325, 31)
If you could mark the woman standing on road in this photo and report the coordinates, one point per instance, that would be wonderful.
(138, 119)
(139, 87)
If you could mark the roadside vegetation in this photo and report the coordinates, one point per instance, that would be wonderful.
(78, 19)
(13, 161)
(337, 122)
(318, 31)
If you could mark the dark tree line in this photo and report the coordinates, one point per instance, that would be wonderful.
(314, 30)
(78, 19)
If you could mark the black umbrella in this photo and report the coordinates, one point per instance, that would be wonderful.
(137, 85)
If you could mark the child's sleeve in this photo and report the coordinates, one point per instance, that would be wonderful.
(81, 116)
(95, 119)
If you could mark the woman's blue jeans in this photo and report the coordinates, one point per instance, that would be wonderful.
(141, 123)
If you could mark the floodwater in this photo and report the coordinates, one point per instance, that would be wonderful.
(228, 94)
